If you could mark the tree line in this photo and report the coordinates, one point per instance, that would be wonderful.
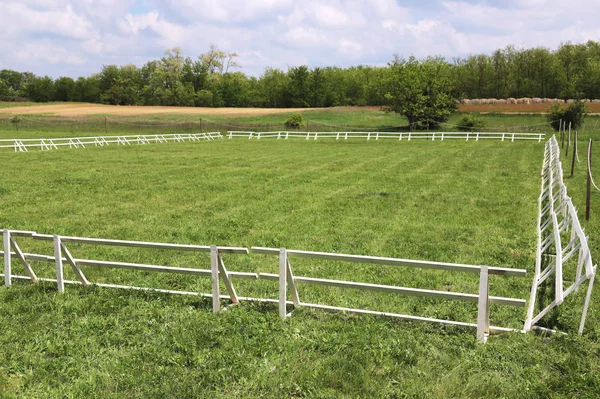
(213, 79)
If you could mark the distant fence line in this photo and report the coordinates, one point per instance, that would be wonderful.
(285, 278)
(23, 145)
(476, 136)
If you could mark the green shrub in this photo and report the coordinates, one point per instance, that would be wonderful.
(574, 114)
(295, 121)
(470, 122)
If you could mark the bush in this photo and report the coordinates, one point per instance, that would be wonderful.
(574, 114)
(470, 122)
(295, 121)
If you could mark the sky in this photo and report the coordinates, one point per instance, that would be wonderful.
(76, 38)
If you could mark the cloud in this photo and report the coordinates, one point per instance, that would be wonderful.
(58, 37)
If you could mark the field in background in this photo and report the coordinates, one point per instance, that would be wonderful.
(332, 119)
(88, 109)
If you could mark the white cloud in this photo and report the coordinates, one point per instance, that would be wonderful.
(77, 37)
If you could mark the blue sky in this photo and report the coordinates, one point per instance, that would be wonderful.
(75, 38)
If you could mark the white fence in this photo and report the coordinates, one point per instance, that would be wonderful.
(23, 145)
(557, 218)
(476, 136)
(218, 271)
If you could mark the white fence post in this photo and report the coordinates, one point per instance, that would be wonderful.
(588, 296)
(7, 259)
(483, 308)
(214, 262)
(282, 283)
(60, 283)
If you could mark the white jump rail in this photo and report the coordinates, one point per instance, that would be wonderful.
(475, 136)
(23, 145)
(557, 216)
(287, 279)
(62, 254)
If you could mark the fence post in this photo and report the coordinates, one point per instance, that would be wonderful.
(589, 183)
(60, 283)
(574, 155)
(7, 259)
(282, 283)
(214, 263)
(483, 308)
(588, 297)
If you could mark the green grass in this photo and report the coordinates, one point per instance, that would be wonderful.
(13, 104)
(334, 119)
(446, 201)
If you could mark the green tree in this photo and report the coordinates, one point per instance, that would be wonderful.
(39, 89)
(87, 89)
(64, 89)
(421, 90)
(298, 88)
(572, 115)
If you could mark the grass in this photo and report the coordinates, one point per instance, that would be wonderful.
(14, 104)
(337, 119)
(445, 201)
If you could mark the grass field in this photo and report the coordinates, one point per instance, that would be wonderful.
(334, 119)
(448, 201)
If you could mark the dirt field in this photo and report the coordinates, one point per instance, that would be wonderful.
(79, 110)
(96, 109)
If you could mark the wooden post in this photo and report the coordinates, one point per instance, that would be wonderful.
(483, 308)
(60, 283)
(7, 259)
(574, 155)
(214, 262)
(560, 129)
(589, 183)
(282, 283)
(568, 142)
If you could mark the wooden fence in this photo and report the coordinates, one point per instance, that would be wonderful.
(476, 136)
(23, 145)
(218, 272)
(557, 223)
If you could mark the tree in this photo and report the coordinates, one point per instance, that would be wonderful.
(572, 115)
(87, 89)
(298, 95)
(64, 89)
(420, 90)
(218, 61)
(40, 89)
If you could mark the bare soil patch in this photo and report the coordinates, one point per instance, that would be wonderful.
(95, 109)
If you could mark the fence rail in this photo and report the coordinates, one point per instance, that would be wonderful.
(218, 272)
(287, 279)
(23, 145)
(557, 216)
(503, 136)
